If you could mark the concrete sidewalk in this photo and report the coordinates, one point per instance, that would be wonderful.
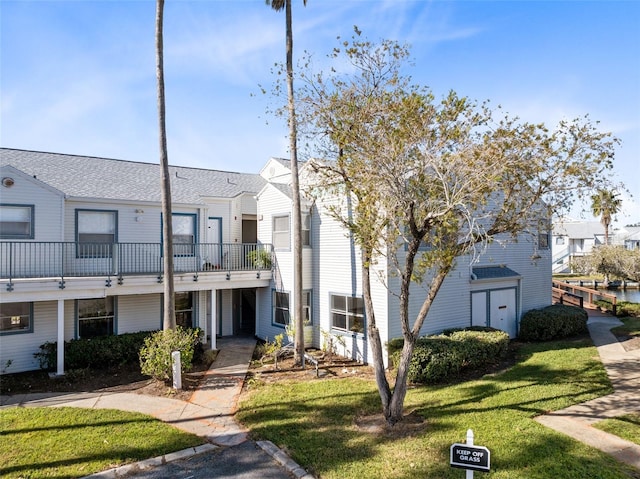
(623, 369)
(208, 413)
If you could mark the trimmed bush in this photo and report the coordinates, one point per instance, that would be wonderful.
(553, 322)
(95, 353)
(444, 357)
(155, 355)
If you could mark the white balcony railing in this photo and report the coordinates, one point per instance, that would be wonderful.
(65, 259)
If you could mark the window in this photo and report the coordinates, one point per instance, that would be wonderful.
(281, 232)
(559, 240)
(184, 234)
(96, 317)
(280, 308)
(16, 222)
(184, 309)
(306, 307)
(347, 313)
(16, 318)
(543, 236)
(306, 229)
(96, 233)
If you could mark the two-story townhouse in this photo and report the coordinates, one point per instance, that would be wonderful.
(81, 251)
(509, 278)
(572, 239)
(80, 255)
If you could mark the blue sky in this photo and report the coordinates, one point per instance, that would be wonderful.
(79, 76)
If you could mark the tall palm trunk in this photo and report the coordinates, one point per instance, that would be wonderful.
(295, 186)
(169, 316)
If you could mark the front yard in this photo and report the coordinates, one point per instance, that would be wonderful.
(330, 426)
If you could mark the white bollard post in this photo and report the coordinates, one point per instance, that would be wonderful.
(469, 474)
(177, 370)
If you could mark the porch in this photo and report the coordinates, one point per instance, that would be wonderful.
(60, 260)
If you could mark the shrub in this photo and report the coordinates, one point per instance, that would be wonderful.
(625, 308)
(553, 322)
(444, 357)
(155, 355)
(95, 353)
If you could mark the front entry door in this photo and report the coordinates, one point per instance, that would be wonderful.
(503, 311)
(214, 238)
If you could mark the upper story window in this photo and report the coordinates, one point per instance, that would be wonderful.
(306, 229)
(16, 318)
(347, 313)
(184, 233)
(544, 241)
(96, 317)
(96, 232)
(16, 221)
(281, 235)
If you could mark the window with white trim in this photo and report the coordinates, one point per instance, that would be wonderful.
(16, 221)
(184, 309)
(280, 301)
(96, 317)
(306, 229)
(281, 235)
(96, 232)
(16, 318)
(347, 313)
(184, 233)
(306, 307)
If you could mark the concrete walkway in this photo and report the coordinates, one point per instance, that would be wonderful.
(623, 369)
(208, 413)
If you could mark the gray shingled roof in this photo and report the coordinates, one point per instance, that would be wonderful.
(493, 272)
(90, 177)
(579, 229)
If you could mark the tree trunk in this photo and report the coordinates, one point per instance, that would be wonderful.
(374, 339)
(169, 313)
(295, 187)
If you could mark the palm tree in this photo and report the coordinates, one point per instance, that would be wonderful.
(278, 5)
(169, 316)
(605, 204)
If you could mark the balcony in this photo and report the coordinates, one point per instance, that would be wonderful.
(24, 260)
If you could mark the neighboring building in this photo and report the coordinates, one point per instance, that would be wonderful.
(572, 239)
(80, 256)
(628, 236)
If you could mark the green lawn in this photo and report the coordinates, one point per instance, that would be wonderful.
(71, 442)
(315, 421)
(630, 327)
(627, 427)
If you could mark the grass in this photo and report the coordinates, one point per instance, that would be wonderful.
(71, 442)
(631, 327)
(315, 421)
(627, 427)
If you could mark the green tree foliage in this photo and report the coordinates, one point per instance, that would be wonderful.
(605, 204)
(401, 168)
(615, 262)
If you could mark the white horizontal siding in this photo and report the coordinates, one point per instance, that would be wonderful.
(139, 313)
(48, 205)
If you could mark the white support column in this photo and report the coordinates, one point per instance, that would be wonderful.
(214, 317)
(60, 357)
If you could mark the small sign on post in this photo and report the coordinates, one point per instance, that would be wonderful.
(470, 457)
(177, 369)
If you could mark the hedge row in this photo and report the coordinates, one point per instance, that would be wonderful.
(95, 353)
(444, 357)
(553, 322)
(623, 308)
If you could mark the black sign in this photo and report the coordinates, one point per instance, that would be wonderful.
(473, 458)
